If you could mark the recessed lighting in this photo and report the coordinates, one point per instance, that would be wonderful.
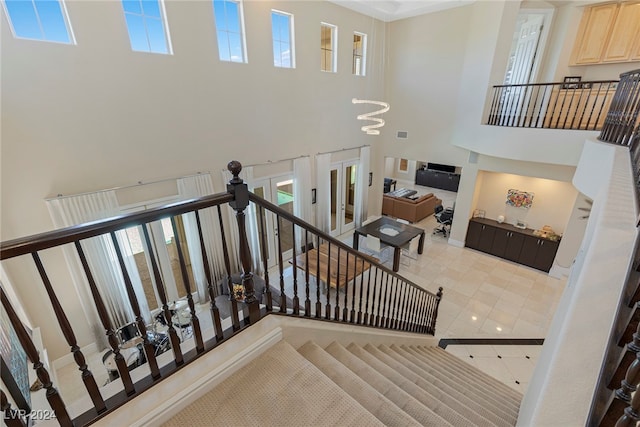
(474, 318)
(498, 328)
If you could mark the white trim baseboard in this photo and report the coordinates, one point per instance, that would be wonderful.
(456, 243)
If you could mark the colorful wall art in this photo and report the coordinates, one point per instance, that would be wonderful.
(519, 199)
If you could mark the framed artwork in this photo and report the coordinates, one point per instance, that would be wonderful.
(571, 82)
(519, 199)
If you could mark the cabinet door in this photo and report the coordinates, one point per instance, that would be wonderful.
(635, 55)
(455, 182)
(593, 33)
(421, 177)
(499, 244)
(529, 251)
(546, 254)
(473, 235)
(486, 238)
(514, 246)
(431, 179)
(624, 34)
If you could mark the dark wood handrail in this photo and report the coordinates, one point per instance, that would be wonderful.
(50, 239)
(334, 242)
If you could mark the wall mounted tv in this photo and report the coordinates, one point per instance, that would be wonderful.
(442, 168)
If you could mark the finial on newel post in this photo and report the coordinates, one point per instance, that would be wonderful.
(240, 201)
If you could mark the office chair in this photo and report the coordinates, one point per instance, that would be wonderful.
(444, 218)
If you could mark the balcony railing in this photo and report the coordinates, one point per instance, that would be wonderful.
(365, 293)
(566, 105)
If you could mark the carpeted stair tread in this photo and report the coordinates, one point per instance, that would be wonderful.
(279, 387)
(382, 408)
(462, 364)
(454, 361)
(470, 400)
(513, 395)
(501, 398)
(452, 408)
(472, 385)
(404, 400)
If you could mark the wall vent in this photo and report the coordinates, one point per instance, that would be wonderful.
(402, 134)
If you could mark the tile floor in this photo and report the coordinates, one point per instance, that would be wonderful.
(484, 297)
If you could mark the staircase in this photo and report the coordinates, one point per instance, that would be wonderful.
(354, 386)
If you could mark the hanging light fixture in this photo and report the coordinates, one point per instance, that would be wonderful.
(372, 129)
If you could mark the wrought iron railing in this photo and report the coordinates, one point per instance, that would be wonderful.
(622, 124)
(366, 293)
(566, 105)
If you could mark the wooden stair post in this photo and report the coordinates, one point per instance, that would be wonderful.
(239, 203)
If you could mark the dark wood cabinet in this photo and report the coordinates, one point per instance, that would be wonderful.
(508, 242)
(473, 234)
(538, 253)
(438, 179)
(480, 236)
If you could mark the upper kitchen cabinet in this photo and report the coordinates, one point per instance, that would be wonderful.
(608, 32)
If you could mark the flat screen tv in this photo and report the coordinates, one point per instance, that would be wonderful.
(442, 168)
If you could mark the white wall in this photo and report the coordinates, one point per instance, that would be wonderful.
(97, 115)
(424, 67)
(562, 385)
(552, 203)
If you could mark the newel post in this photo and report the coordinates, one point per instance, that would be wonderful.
(239, 203)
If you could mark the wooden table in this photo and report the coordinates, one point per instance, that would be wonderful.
(329, 264)
(405, 233)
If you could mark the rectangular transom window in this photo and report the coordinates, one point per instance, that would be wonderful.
(328, 42)
(230, 30)
(283, 41)
(146, 22)
(359, 53)
(45, 20)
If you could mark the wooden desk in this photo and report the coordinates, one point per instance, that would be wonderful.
(405, 233)
(329, 265)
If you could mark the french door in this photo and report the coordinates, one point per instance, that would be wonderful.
(278, 234)
(344, 178)
(523, 65)
(163, 247)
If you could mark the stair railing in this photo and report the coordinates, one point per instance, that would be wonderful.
(562, 105)
(622, 123)
(360, 289)
(366, 293)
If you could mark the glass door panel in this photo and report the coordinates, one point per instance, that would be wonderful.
(335, 196)
(279, 191)
(349, 202)
(284, 197)
(343, 197)
(263, 226)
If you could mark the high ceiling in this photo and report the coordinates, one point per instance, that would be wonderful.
(391, 10)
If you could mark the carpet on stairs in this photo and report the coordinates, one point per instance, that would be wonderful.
(354, 386)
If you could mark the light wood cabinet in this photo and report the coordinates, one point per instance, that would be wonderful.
(593, 33)
(608, 33)
(626, 32)
(578, 108)
(635, 55)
